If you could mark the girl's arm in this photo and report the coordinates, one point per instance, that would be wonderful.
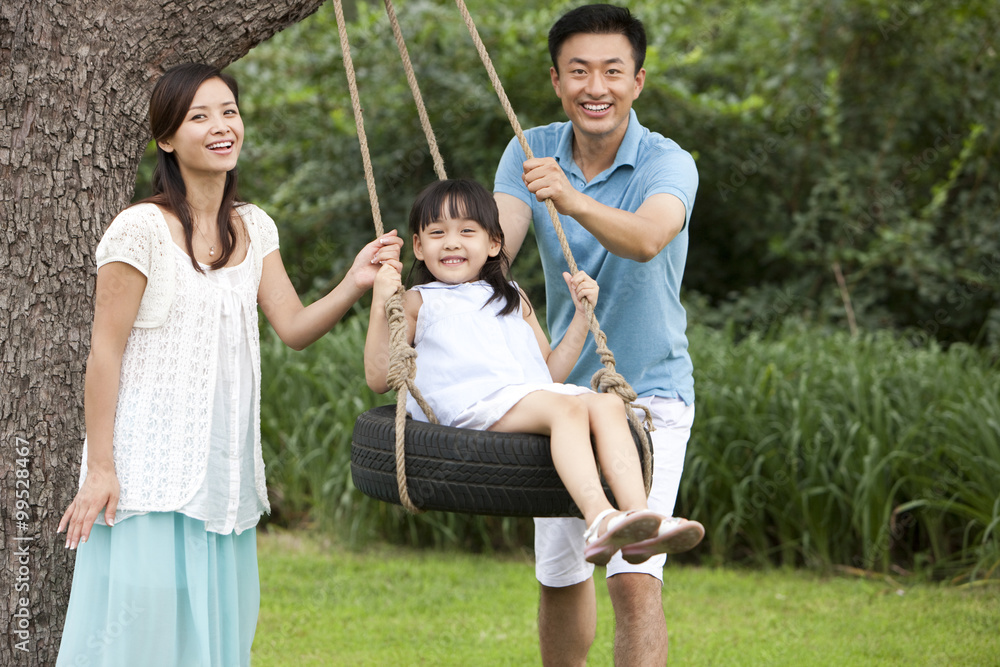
(119, 292)
(299, 326)
(377, 343)
(562, 359)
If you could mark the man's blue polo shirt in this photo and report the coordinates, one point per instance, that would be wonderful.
(639, 306)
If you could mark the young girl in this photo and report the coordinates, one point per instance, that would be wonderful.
(172, 483)
(483, 362)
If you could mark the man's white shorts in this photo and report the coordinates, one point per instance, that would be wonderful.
(559, 541)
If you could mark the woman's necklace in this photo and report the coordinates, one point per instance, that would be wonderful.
(211, 248)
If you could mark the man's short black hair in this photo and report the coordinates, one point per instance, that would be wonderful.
(599, 19)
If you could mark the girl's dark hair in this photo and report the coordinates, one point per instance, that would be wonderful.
(464, 198)
(168, 107)
(599, 19)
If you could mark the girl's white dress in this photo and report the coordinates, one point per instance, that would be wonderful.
(473, 364)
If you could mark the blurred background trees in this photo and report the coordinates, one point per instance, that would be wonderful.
(844, 147)
(844, 235)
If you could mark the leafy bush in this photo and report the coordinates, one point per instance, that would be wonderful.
(844, 148)
(811, 449)
(817, 449)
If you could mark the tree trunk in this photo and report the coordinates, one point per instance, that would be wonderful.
(75, 77)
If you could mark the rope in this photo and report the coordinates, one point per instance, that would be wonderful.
(359, 122)
(411, 78)
(402, 358)
(605, 379)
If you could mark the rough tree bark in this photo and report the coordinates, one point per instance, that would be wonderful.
(75, 76)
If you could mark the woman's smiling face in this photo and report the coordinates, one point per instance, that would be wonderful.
(211, 136)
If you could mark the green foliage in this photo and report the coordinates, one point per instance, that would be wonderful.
(302, 161)
(811, 449)
(851, 136)
(818, 449)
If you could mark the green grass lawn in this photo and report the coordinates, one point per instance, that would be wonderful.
(328, 605)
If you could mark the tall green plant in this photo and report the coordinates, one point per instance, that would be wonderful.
(809, 449)
(824, 450)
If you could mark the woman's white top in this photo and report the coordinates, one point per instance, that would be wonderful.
(474, 364)
(187, 424)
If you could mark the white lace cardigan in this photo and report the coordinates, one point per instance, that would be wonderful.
(163, 418)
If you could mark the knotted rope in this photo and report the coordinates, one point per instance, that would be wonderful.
(402, 357)
(606, 379)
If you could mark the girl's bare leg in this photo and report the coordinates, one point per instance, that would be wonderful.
(616, 450)
(567, 422)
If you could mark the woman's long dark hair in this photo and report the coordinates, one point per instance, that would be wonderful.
(168, 107)
(464, 198)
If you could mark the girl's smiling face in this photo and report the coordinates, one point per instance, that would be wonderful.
(211, 136)
(454, 250)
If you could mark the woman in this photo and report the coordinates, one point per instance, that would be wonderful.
(166, 574)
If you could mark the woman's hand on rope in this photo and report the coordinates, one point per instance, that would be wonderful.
(581, 286)
(99, 492)
(546, 180)
(383, 251)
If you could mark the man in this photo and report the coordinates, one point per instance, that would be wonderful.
(624, 195)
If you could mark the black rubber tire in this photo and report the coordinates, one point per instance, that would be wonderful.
(460, 470)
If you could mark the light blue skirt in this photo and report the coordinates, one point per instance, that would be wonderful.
(159, 590)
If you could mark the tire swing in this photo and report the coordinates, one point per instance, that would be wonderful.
(425, 466)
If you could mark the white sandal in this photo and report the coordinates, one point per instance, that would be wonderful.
(673, 536)
(622, 529)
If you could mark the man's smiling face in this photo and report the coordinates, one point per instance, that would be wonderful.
(597, 83)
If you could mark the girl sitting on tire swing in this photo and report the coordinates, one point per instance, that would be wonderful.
(485, 363)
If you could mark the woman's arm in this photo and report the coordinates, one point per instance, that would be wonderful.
(563, 358)
(119, 292)
(299, 326)
(377, 342)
